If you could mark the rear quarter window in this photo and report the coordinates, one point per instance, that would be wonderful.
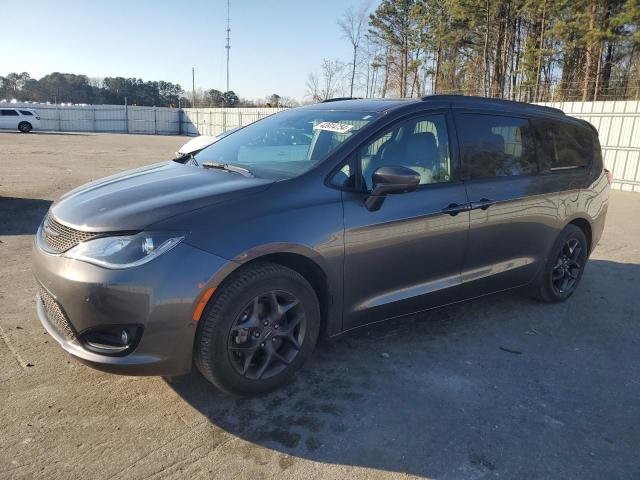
(496, 145)
(564, 146)
(26, 112)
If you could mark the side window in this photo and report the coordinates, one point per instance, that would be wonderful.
(344, 178)
(563, 146)
(496, 146)
(26, 112)
(420, 143)
(8, 113)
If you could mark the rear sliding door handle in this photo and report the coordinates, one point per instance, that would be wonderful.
(482, 204)
(454, 208)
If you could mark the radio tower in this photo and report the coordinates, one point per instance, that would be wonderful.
(228, 46)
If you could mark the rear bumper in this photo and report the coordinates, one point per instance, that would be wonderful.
(159, 296)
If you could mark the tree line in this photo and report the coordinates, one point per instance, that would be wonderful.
(529, 50)
(80, 89)
(71, 88)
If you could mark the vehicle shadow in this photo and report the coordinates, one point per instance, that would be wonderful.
(21, 216)
(501, 385)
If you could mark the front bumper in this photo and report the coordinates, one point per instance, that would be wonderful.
(160, 296)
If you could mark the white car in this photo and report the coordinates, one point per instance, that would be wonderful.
(201, 142)
(196, 144)
(19, 118)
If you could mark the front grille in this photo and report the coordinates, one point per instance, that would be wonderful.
(60, 238)
(55, 315)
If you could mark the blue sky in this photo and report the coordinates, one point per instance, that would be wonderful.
(274, 43)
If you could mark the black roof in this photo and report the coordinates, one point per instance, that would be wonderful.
(468, 101)
(362, 104)
(453, 101)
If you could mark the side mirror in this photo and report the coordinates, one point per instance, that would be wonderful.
(390, 180)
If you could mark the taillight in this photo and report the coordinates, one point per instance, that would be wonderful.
(609, 175)
(37, 118)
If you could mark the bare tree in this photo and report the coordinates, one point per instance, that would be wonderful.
(97, 82)
(328, 83)
(353, 24)
(331, 77)
(288, 102)
(367, 62)
(313, 88)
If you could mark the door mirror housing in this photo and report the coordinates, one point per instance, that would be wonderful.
(390, 180)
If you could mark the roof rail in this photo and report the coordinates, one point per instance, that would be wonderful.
(459, 99)
(339, 99)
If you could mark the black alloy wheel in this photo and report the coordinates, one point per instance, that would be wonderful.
(267, 335)
(259, 328)
(564, 266)
(567, 266)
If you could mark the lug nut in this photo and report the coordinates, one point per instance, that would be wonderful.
(265, 323)
(257, 334)
(273, 339)
(262, 344)
(276, 326)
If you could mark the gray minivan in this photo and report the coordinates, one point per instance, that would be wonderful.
(317, 220)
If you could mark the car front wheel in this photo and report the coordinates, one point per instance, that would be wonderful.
(25, 127)
(259, 330)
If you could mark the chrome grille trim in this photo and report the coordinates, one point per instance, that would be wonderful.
(60, 238)
(56, 316)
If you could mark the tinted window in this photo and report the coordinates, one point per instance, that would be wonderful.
(563, 146)
(26, 112)
(420, 144)
(8, 113)
(496, 146)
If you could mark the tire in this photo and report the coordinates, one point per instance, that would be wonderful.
(563, 260)
(233, 340)
(25, 127)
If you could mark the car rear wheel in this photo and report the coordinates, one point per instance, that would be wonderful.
(258, 331)
(565, 266)
(24, 127)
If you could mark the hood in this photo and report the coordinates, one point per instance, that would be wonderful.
(136, 198)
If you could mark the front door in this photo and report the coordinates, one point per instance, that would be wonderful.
(407, 256)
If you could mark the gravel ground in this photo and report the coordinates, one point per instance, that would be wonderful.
(435, 396)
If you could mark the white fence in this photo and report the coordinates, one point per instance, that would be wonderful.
(106, 118)
(618, 124)
(143, 120)
(213, 121)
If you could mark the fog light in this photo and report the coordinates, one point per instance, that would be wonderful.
(114, 340)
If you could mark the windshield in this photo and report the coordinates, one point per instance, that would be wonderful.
(285, 144)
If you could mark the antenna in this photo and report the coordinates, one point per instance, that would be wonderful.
(228, 46)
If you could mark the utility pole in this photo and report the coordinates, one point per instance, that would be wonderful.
(228, 46)
(193, 86)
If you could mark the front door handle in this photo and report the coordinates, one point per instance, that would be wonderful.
(454, 208)
(482, 204)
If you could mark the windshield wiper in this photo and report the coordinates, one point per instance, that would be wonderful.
(228, 167)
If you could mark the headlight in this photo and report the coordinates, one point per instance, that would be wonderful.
(125, 251)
